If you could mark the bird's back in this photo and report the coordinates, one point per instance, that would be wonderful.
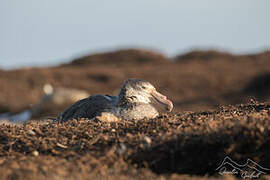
(89, 107)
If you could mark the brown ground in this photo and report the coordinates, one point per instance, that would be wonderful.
(193, 140)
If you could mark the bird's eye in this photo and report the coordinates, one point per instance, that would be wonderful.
(132, 97)
(143, 87)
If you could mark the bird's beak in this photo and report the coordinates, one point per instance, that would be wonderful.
(161, 99)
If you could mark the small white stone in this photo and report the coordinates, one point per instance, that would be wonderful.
(35, 153)
(31, 132)
(61, 145)
(147, 140)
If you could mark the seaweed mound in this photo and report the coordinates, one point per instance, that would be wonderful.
(190, 143)
(204, 55)
(122, 57)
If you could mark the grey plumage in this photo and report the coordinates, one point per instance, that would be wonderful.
(88, 107)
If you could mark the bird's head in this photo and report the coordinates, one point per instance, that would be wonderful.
(140, 91)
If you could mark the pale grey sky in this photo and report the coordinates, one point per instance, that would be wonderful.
(49, 32)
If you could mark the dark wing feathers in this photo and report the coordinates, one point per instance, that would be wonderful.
(87, 108)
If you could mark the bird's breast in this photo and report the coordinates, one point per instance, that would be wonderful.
(136, 112)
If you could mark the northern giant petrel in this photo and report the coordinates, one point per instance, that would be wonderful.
(137, 99)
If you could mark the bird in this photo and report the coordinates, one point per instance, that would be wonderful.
(54, 98)
(137, 99)
(61, 95)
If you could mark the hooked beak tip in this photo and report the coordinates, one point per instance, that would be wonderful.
(170, 106)
(163, 101)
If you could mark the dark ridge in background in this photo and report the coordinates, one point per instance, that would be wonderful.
(123, 57)
(259, 86)
(208, 55)
(204, 55)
